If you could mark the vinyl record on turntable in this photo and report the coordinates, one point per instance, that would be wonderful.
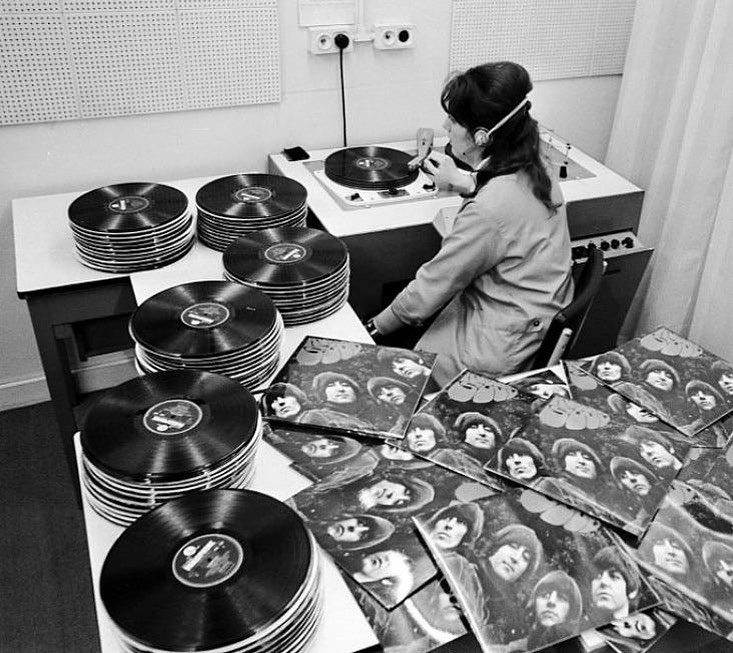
(220, 569)
(168, 425)
(202, 318)
(370, 167)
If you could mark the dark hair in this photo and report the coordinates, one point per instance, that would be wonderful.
(481, 97)
(610, 558)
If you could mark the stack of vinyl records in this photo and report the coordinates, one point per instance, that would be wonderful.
(305, 271)
(370, 167)
(233, 206)
(131, 227)
(217, 326)
(164, 435)
(221, 570)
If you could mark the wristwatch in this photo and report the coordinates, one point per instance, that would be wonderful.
(371, 328)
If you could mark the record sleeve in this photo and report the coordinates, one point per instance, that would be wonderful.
(615, 470)
(465, 423)
(674, 378)
(689, 547)
(536, 573)
(370, 167)
(588, 390)
(638, 632)
(360, 514)
(206, 571)
(348, 387)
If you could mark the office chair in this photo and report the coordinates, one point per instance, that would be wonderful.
(565, 327)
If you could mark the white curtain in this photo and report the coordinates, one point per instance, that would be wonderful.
(673, 137)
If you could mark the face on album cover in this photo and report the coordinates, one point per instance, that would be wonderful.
(615, 470)
(587, 389)
(365, 521)
(543, 384)
(689, 546)
(462, 427)
(349, 387)
(530, 572)
(637, 632)
(675, 379)
(430, 618)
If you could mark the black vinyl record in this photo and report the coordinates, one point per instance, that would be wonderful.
(203, 318)
(168, 424)
(370, 167)
(285, 256)
(129, 207)
(205, 571)
(251, 196)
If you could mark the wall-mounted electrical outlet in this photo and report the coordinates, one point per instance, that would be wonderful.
(323, 39)
(395, 36)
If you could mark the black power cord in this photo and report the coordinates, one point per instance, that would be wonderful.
(342, 42)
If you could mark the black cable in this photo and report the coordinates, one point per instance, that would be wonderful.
(343, 92)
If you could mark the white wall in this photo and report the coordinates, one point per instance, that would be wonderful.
(388, 94)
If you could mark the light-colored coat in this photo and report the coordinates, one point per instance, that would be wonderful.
(502, 273)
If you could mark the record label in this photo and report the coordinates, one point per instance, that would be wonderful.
(205, 315)
(283, 253)
(253, 194)
(173, 417)
(207, 560)
(129, 204)
(372, 163)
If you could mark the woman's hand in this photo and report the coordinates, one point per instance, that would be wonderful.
(447, 175)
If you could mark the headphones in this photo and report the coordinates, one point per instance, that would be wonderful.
(482, 136)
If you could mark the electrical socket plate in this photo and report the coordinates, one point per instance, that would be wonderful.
(322, 39)
(394, 36)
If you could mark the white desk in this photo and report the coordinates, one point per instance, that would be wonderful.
(343, 627)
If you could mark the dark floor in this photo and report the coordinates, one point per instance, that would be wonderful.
(46, 602)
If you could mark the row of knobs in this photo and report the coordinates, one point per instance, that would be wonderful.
(581, 251)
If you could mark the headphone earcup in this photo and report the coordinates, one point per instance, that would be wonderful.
(481, 137)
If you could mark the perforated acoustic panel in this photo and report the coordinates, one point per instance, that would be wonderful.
(72, 59)
(552, 39)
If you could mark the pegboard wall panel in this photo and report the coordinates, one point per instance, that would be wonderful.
(552, 39)
(72, 59)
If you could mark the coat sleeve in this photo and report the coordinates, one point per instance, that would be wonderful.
(476, 244)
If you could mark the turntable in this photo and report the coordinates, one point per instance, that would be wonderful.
(360, 177)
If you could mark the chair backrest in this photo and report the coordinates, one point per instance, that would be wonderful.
(566, 325)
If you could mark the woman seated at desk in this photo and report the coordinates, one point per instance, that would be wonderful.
(503, 271)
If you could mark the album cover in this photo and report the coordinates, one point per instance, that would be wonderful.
(430, 618)
(638, 632)
(585, 388)
(335, 460)
(464, 424)
(349, 387)
(615, 470)
(543, 384)
(710, 473)
(689, 546)
(538, 573)
(365, 523)
(675, 379)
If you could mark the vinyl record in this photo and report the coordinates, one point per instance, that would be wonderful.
(370, 167)
(285, 256)
(168, 424)
(129, 207)
(251, 196)
(203, 319)
(209, 570)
